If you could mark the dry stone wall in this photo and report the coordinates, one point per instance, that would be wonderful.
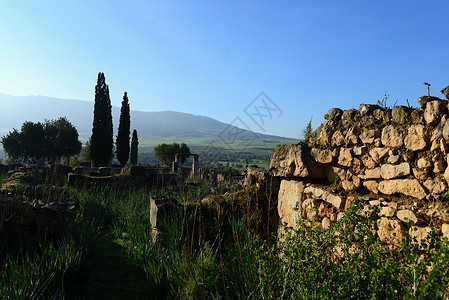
(395, 158)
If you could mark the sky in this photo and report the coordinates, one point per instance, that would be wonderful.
(267, 66)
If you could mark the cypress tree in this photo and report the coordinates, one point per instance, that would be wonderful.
(134, 143)
(102, 140)
(122, 145)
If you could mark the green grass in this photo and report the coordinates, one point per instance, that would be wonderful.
(111, 254)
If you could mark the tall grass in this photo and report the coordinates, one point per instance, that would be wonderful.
(203, 254)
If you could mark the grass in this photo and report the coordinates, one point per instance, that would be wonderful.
(110, 253)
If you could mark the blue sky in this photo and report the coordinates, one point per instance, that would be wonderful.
(214, 58)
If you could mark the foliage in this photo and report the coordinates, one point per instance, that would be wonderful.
(52, 139)
(101, 140)
(308, 130)
(134, 147)
(166, 152)
(348, 261)
(122, 148)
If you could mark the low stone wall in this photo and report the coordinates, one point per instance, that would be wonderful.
(396, 159)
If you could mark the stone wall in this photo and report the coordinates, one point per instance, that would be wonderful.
(395, 158)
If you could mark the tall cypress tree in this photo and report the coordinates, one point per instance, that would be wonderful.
(122, 145)
(134, 144)
(102, 140)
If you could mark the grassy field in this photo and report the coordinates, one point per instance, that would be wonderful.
(110, 254)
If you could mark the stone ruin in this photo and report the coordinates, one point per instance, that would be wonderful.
(396, 159)
(177, 164)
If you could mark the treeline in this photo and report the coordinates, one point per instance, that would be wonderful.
(54, 139)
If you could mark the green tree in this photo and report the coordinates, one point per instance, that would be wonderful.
(51, 140)
(134, 144)
(85, 152)
(166, 152)
(122, 144)
(101, 140)
(308, 130)
(12, 144)
(61, 139)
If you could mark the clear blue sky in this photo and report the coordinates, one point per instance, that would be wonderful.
(214, 57)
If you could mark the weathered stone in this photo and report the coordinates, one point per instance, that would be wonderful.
(445, 230)
(445, 92)
(393, 159)
(417, 138)
(289, 201)
(372, 186)
(392, 136)
(386, 211)
(367, 109)
(378, 154)
(388, 171)
(368, 135)
(360, 150)
(393, 205)
(161, 209)
(334, 172)
(337, 139)
(294, 161)
(351, 137)
(423, 163)
(446, 174)
(439, 166)
(368, 161)
(433, 112)
(357, 165)
(399, 114)
(325, 223)
(424, 99)
(348, 202)
(374, 202)
(421, 174)
(421, 234)
(323, 134)
(309, 208)
(438, 213)
(436, 186)
(334, 114)
(324, 156)
(390, 232)
(409, 187)
(318, 192)
(348, 117)
(348, 185)
(345, 158)
(326, 210)
(446, 131)
(373, 173)
(406, 215)
(417, 116)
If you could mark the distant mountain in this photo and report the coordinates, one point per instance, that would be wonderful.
(167, 125)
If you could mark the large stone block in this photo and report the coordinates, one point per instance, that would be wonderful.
(392, 136)
(294, 161)
(290, 201)
(317, 192)
(409, 187)
(417, 138)
(388, 171)
(390, 231)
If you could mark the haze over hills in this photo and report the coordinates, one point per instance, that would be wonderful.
(151, 126)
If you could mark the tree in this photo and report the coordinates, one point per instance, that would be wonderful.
(134, 144)
(308, 130)
(101, 140)
(166, 152)
(61, 139)
(122, 145)
(51, 140)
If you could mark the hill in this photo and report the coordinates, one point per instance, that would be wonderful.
(153, 127)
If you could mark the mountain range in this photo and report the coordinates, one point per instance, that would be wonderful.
(151, 126)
